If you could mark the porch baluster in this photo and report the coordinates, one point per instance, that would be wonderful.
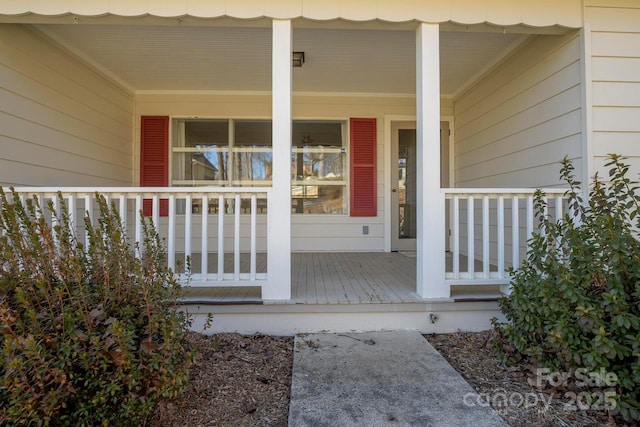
(88, 209)
(515, 232)
(187, 232)
(138, 220)
(236, 238)
(156, 211)
(254, 208)
(54, 217)
(456, 237)
(41, 202)
(221, 210)
(171, 234)
(204, 256)
(529, 217)
(485, 237)
(470, 238)
(123, 211)
(545, 212)
(23, 199)
(501, 247)
(71, 205)
(558, 209)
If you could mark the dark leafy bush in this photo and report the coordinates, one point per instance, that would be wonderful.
(575, 301)
(91, 335)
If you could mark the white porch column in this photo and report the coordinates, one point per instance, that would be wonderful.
(279, 208)
(430, 240)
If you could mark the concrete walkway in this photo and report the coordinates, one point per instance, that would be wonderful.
(379, 379)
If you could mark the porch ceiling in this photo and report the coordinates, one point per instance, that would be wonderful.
(173, 58)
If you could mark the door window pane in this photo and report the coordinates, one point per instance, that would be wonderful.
(407, 183)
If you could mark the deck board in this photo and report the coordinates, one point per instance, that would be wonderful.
(364, 278)
(317, 281)
(381, 282)
(349, 289)
(362, 287)
(330, 267)
(343, 266)
(295, 275)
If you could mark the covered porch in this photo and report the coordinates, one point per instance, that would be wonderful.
(164, 114)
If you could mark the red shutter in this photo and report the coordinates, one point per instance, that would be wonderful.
(154, 158)
(363, 167)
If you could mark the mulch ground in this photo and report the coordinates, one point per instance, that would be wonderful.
(235, 381)
(246, 380)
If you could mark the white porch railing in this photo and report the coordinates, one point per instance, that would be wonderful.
(221, 231)
(490, 229)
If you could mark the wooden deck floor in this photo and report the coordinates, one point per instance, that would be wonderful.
(334, 278)
(348, 278)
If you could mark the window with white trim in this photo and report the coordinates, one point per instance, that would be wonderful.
(222, 153)
(239, 153)
(319, 167)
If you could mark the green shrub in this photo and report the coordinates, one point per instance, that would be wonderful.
(575, 301)
(91, 335)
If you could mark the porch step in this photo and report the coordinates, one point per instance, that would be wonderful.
(379, 379)
(291, 319)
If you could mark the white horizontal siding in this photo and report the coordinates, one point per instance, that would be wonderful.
(608, 69)
(518, 165)
(616, 94)
(613, 16)
(520, 71)
(554, 129)
(534, 101)
(615, 81)
(518, 122)
(61, 122)
(533, 119)
(607, 142)
(624, 45)
(545, 175)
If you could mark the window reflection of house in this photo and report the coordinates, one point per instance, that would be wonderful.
(202, 168)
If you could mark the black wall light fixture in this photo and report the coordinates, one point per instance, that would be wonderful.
(298, 59)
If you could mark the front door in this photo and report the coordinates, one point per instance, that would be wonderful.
(403, 183)
(403, 186)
